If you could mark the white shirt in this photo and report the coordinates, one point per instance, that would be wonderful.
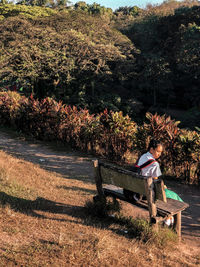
(153, 169)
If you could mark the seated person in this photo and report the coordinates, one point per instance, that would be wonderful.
(152, 168)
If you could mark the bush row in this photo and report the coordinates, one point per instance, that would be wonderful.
(109, 134)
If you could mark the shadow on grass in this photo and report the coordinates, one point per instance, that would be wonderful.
(121, 226)
(126, 227)
(71, 164)
(30, 207)
(76, 188)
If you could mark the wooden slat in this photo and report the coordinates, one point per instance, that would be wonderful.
(172, 206)
(116, 175)
(163, 209)
(120, 169)
(123, 179)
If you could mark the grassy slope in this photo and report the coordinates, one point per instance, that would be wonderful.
(43, 223)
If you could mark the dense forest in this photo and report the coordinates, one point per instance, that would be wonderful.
(132, 60)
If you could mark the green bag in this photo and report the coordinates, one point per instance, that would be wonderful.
(173, 195)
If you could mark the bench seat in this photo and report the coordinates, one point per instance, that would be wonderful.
(171, 207)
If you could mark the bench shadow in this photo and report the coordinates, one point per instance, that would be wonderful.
(76, 188)
(30, 207)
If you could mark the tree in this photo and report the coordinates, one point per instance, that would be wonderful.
(3, 2)
(53, 59)
(132, 11)
(81, 5)
(62, 3)
(188, 63)
(33, 2)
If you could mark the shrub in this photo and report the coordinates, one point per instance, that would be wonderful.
(9, 107)
(77, 128)
(117, 134)
(109, 134)
(188, 154)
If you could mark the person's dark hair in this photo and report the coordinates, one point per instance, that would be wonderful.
(154, 144)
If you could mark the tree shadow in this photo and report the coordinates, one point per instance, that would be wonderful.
(70, 164)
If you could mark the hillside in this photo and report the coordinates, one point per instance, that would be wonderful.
(43, 220)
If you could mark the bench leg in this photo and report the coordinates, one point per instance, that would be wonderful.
(154, 224)
(98, 180)
(177, 224)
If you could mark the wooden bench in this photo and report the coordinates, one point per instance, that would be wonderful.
(158, 206)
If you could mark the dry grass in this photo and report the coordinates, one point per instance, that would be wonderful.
(43, 222)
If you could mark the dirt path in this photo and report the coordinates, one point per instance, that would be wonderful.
(79, 165)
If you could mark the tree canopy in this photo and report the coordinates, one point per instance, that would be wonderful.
(93, 57)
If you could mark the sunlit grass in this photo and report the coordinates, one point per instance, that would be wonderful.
(45, 221)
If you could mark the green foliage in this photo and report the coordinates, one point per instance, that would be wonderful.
(81, 5)
(182, 147)
(188, 154)
(188, 58)
(10, 10)
(44, 3)
(131, 10)
(109, 134)
(3, 2)
(166, 130)
(169, 60)
(79, 128)
(94, 9)
(159, 127)
(118, 134)
(59, 52)
(9, 107)
(191, 118)
(64, 56)
(40, 118)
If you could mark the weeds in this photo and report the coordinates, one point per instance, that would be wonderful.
(134, 228)
(102, 207)
(141, 229)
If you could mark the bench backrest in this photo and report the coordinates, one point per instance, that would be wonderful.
(111, 174)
